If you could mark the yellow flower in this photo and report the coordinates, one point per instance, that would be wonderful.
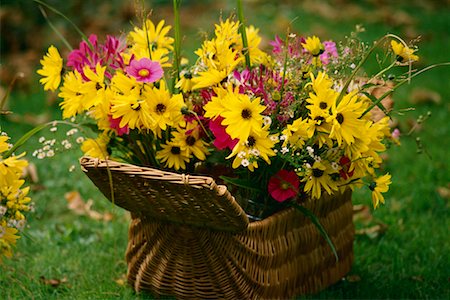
(52, 65)
(172, 155)
(8, 237)
(404, 53)
(247, 152)
(317, 125)
(296, 133)
(346, 124)
(318, 178)
(242, 116)
(380, 185)
(190, 142)
(94, 89)
(3, 143)
(164, 109)
(313, 46)
(96, 148)
(73, 99)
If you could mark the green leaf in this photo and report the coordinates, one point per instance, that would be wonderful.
(246, 184)
(319, 227)
(376, 102)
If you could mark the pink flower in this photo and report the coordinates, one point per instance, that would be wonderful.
(114, 124)
(145, 70)
(277, 45)
(283, 185)
(329, 53)
(223, 139)
(396, 134)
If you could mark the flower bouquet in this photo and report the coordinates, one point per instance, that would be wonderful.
(278, 137)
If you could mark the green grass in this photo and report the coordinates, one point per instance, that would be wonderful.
(411, 260)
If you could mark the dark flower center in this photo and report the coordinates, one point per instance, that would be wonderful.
(190, 140)
(340, 118)
(136, 106)
(98, 86)
(323, 105)
(246, 114)
(175, 150)
(372, 186)
(251, 141)
(317, 173)
(160, 108)
(319, 120)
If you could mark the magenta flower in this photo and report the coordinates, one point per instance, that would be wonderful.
(277, 45)
(223, 139)
(145, 70)
(115, 125)
(283, 185)
(329, 53)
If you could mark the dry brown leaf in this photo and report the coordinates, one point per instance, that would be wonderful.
(422, 95)
(444, 191)
(31, 172)
(362, 213)
(53, 281)
(372, 231)
(78, 206)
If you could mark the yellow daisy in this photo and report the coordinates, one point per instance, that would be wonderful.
(173, 156)
(404, 53)
(73, 99)
(318, 178)
(313, 45)
(52, 65)
(96, 148)
(190, 142)
(380, 185)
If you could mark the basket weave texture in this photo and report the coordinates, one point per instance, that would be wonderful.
(189, 238)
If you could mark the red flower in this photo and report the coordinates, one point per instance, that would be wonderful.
(345, 171)
(223, 139)
(283, 185)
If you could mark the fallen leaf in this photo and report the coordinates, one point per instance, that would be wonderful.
(362, 213)
(31, 172)
(372, 231)
(53, 282)
(78, 206)
(444, 191)
(423, 96)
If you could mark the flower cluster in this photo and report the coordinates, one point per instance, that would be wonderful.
(289, 124)
(14, 201)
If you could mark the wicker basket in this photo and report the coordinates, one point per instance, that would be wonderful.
(189, 238)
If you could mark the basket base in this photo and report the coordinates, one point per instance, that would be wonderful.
(279, 257)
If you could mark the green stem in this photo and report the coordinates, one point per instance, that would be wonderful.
(65, 18)
(390, 91)
(176, 10)
(243, 34)
(55, 29)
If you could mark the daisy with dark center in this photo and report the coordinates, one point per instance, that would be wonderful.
(242, 116)
(318, 178)
(189, 140)
(345, 119)
(380, 185)
(164, 108)
(258, 145)
(173, 156)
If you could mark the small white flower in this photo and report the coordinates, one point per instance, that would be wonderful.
(72, 168)
(308, 166)
(284, 150)
(267, 120)
(242, 154)
(245, 163)
(20, 224)
(53, 129)
(2, 231)
(50, 153)
(334, 165)
(310, 150)
(80, 139)
(41, 155)
(352, 66)
(46, 148)
(317, 158)
(283, 137)
(41, 139)
(255, 152)
(3, 210)
(68, 146)
(274, 138)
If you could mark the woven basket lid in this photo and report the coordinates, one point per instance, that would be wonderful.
(166, 196)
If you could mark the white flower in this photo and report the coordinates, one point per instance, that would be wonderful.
(267, 120)
(50, 153)
(3, 210)
(335, 166)
(80, 139)
(255, 152)
(284, 150)
(53, 129)
(242, 154)
(245, 163)
(41, 139)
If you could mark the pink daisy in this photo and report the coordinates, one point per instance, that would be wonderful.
(145, 70)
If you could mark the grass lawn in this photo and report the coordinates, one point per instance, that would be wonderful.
(66, 256)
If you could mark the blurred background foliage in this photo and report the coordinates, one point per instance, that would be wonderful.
(407, 257)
